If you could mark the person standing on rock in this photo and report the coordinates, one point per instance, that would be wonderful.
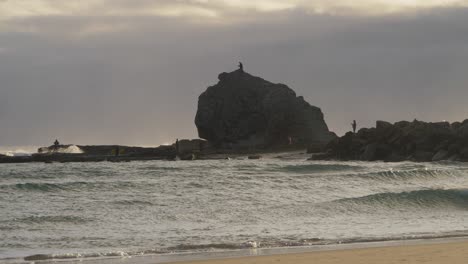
(354, 125)
(241, 67)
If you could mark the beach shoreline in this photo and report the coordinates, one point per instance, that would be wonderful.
(432, 251)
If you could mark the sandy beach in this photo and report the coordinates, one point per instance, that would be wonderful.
(453, 252)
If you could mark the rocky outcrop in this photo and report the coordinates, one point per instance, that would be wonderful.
(190, 149)
(414, 141)
(163, 152)
(244, 111)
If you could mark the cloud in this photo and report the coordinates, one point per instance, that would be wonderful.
(97, 17)
(209, 8)
(141, 86)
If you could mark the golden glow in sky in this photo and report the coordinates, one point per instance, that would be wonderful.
(210, 8)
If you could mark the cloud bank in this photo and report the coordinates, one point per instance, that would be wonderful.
(130, 72)
(208, 8)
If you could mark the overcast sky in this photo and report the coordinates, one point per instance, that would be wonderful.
(130, 71)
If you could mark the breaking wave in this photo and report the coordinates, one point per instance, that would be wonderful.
(420, 198)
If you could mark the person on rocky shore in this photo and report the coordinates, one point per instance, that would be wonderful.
(241, 67)
(354, 125)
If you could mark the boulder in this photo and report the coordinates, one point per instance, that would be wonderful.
(462, 130)
(369, 152)
(321, 156)
(416, 140)
(243, 111)
(464, 153)
(441, 155)
(454, 158)
(185, 146)
(422, 156)
(383, 126)
(453, 149)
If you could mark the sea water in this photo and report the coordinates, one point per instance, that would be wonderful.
(97, 210)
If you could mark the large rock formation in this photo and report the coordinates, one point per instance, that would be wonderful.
(415, 141)
(245, 111)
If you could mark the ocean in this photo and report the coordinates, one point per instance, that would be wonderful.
(101, 210)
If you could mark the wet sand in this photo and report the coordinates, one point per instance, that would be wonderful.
(453, 252)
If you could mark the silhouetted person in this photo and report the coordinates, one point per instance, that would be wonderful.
(241, 67)
(354, 125)
(56, 143)
(177, 146)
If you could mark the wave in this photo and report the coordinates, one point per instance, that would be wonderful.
(133, 202)
(44, 187)
(407, 174)
(318, 168)
(67, 186)
(52, 219)
(39, 257)
(160, 168)
(433, 198)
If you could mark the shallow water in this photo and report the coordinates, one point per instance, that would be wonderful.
(117, 209)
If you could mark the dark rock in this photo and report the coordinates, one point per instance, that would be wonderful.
(383, 126)
(395, 157)
(455, 125)
(417, 140)
(191, 146)
(453, 149)
(441, 155)
(462, 131)
(464, 153)
(320, 156)
(442, 146)
(366, 133)
(422, 156)
(188, 156)
(402, 124)
(244, 111)
(163, 152)
(383, 151)
(369, 152)
(455, 157)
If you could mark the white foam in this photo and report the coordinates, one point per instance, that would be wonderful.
(18, 151)
(70, 149)
(73, 149)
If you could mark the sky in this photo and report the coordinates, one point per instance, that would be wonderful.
(130, 71)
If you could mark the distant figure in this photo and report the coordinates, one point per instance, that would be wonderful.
(56, 143)
(177, 146)
(354, 125)
(117, 151)
(241, 67)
